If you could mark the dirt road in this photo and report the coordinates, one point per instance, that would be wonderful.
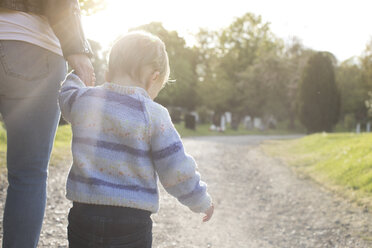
(259, 202)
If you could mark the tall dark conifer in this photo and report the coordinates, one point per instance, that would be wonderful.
(319, 98)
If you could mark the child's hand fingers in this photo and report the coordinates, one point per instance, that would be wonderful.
(209, 214)
(206, 218)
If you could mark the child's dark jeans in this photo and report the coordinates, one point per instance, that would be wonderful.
(101, 226)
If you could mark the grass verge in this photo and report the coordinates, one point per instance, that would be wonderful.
(62, 144)
(2, 146)
(341, 162)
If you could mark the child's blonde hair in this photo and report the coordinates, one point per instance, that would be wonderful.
(135, 51)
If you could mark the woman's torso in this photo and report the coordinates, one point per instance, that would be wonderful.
(28, 27)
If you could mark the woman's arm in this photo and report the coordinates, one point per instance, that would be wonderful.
(64, 18)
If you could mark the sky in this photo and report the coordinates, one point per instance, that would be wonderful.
(342, 27)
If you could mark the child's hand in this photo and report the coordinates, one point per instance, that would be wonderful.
(208, 213)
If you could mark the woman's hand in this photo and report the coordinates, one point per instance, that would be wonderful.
(83, 68)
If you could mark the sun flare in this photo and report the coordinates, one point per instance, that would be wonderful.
(288, 18)
(184, 16)
(120, 16)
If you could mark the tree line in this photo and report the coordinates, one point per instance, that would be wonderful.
(247, 70)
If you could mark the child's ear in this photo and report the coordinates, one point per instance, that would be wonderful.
(155, 76)
(108, 76)
(153, 79)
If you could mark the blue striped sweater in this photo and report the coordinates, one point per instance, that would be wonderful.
(123, 142)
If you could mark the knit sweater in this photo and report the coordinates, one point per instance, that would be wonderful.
(123, 142)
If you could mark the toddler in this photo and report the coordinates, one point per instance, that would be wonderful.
(123, 142)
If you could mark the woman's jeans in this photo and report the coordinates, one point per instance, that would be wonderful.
(30, 78)
(98, 226)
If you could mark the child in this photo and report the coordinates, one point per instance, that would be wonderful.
(122, 143)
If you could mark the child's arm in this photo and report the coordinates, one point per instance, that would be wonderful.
(68, 94)
(176, 169)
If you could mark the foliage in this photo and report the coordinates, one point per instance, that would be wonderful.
(294, 58)
(244, 42)
(89, 7)
(245, 69)
(214, 88)
(205, 115)
(352, 90)
(366, 75)
(264, 87)
(368, 104)
(230, 66)
(319, 99)
(366, 63)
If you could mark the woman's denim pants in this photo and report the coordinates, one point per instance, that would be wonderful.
(30, 78)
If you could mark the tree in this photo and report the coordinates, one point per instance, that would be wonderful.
(213, 87)
(366, 78)
(89, 7)
(353, 92)
(294, 61)
(319, 99)
(244, 42)
(225, 65)
(366, 62)
(265, 90)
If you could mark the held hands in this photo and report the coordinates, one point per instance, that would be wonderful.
(208, 213)
(83, 68)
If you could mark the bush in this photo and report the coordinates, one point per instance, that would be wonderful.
(205, 115)
(176, 115)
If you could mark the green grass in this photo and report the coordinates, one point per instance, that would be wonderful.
(2, 146)
(61, 148)
(62, 144)
(341, 162)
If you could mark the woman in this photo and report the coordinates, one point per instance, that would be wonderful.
(36, 37)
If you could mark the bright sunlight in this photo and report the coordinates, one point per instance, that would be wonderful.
(310, 21)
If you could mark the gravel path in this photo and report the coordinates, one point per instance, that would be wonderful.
(259, 203)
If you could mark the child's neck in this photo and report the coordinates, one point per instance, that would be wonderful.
(128, 81)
